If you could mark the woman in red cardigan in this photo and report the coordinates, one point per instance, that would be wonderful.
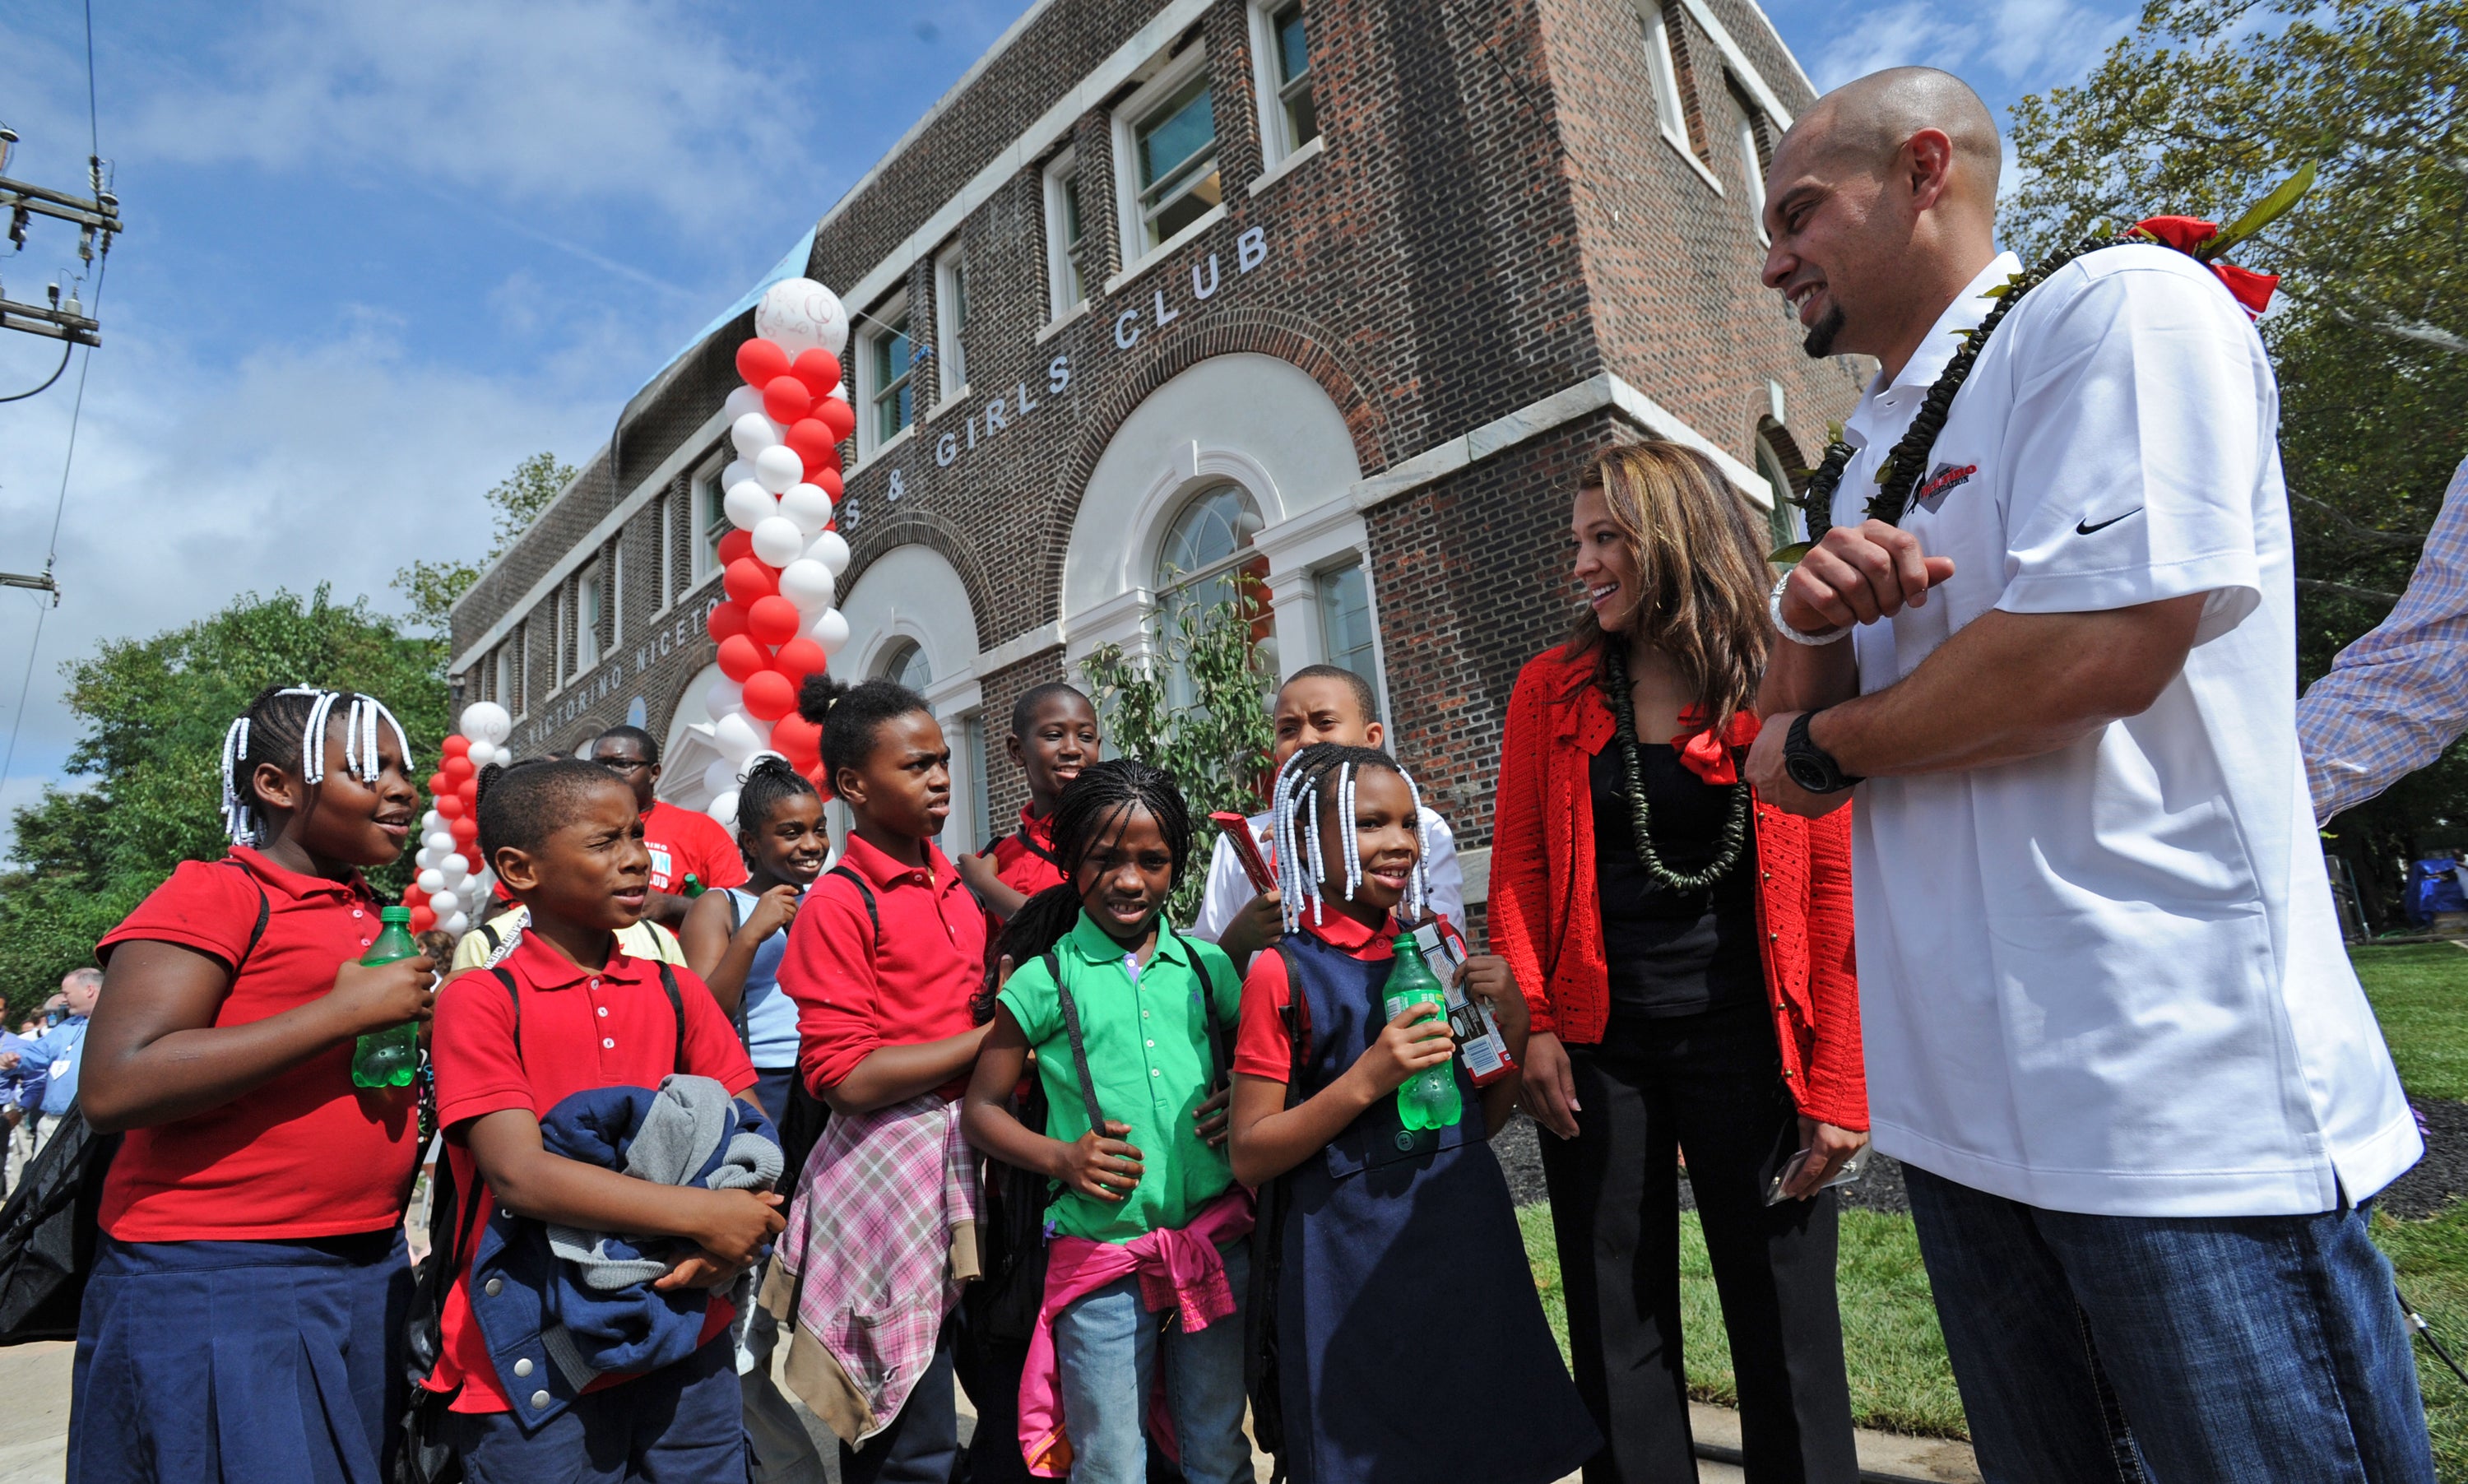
(1686, 953)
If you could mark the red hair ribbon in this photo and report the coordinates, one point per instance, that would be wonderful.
(1707, 755)
(2187, 234)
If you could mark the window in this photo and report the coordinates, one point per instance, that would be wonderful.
(711, 523)
(1292, 118)
(1065, 233)
(952, 323)
(1667, 108)
(889, 406)
(501, 679)
(1173, 152)
(1345, 621)
(663, 568)
(1780, 520)
(1752, 170)
(905, 663)
(556, 671)
(590, 600)
(1206, 557)
(617, 593)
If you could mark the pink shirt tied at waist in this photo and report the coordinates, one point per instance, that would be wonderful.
(1179, 1268)
(881, 1235)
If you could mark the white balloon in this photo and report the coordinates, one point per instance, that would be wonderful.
(724, 809)
(431, 823)
(831, 551)
(455, 868)
(738, 737)
(481, 754)
(753, 433)
(799, 314)
(441, 841)
(443, 904)
(486, 721)
(808, 585)
(742, 400)
(832, 631)
(718, 777)
(777, 468)
(736, 473)
(431, 880)
(454, 926)
(748, 505)
(840, 390)
(778, 541)
(810, 505)
(724, 698)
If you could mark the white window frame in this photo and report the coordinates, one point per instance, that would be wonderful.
(666, 568)
(1752, 170)
(617, 593)
(704, 556)
(951, 327)
(1322, 578)
(501, 678)
(879, 323)
(592, 580)
(557, 638)
(1066, 287)
(1152, 97)
(1277, 141)
(1670, 110)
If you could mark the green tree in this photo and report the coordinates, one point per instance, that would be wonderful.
(518, 498)
(1217, 746)
(154, 711)
(2202, 109)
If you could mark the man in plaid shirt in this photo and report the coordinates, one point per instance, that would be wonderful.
(2398, 696)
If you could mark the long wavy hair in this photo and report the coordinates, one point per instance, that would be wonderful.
(1699, 555)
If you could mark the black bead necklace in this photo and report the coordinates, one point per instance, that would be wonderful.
(1735, 829)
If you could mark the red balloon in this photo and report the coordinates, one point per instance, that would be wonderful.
(458, 766)
(770, 696)
(762, 361)
(784, 398)
(469, 791)
(819, 368)
(466, 832)
(740, 658)
(736, 547)
(828, 462)
(456, 746)
(841, 417)
(748, 579)
(799, 658)
(772, 620)
(810, 439)
(450, 805)
(439, 783)
(798, 739)
(828, 481)
(726, 622)
(422, 921)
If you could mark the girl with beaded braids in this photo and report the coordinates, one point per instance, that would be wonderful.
(241, 1315)
(1377, 1241)
(1685, 949)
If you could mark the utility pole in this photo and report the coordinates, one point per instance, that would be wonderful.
(95, 216)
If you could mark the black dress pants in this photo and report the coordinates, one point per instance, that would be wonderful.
(1710, 1084)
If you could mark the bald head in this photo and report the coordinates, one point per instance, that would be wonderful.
(1869, 122)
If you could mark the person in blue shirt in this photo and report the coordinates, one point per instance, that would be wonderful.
(44, 1081)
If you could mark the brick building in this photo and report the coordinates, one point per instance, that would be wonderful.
(1339, 292)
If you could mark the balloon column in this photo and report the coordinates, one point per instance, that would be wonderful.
(452, 879)
(782, 564)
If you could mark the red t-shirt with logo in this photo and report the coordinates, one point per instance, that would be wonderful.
(685, 841)
(304, 1153)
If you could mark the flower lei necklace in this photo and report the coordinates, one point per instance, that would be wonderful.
(1735, 829)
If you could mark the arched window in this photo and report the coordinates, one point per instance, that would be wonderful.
(1207, 556)
(905, 663)
(1783, 519)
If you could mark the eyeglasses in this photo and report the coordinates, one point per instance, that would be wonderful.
(621, 764)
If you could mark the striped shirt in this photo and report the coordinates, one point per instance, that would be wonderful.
(2398, 696)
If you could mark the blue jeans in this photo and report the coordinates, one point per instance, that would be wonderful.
(1107, 1344)
(2181, 1350)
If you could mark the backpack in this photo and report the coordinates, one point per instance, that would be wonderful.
(49, 1226)
(1261, 1377)
(423, 1458)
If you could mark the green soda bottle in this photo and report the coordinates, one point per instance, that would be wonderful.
(389, 1057)
(691, 886)
(1430, 1098)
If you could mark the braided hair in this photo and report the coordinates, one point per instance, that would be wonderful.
(1091, 812)
(767, 783)
(849, 714)
(1318, 778)
(286, 725)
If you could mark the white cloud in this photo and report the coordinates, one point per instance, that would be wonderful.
(2026, 45)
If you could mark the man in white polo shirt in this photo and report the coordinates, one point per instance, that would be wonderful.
(2109, 1026)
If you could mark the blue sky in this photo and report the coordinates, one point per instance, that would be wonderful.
(376, 253)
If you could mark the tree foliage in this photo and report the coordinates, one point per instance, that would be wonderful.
(1215, 746)
(2204, 107)
(154, 711)
(432, 586)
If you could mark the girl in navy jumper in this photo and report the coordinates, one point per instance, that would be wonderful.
(241, 1315)
(1410, 1344)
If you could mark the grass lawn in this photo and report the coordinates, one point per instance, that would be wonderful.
(2432, 1257)
(2420, 994)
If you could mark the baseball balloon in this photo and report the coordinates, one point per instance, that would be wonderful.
(800, 314)
(487, 719)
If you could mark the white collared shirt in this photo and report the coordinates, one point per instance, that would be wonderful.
(1230, 891)
(2109, 978)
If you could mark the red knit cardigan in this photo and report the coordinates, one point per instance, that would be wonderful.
(1545, 911)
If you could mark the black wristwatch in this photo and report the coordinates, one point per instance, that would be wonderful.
(1810, 765)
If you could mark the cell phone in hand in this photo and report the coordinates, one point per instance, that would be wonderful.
(1852, 1169)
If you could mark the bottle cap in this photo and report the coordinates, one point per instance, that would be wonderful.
(394, 914)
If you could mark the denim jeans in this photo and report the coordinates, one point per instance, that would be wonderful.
(2178, 1350)
(1108, 1345)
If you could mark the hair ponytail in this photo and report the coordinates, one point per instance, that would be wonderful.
(849, 714)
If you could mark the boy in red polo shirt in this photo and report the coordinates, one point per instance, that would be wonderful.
(1053, 736)
(581, 1014)
(683, 842)
(884, 962)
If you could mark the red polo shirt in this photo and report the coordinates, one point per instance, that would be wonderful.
(685, 841)
(859, 988)
(580, 1030)
(304, 1153)
(1024, 861)
(1260, 1045)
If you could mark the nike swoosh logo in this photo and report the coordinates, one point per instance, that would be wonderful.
(2086, 528)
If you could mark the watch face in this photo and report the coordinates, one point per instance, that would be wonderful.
(1809, 772)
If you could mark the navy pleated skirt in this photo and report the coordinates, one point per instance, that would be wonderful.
(214, 1362)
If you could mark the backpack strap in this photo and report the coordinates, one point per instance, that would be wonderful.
(1053, 963)
(865, 894)
(677, 1008)
(1221, 1058)
(1028, 843)
(490, 935)
(1298, 1028)
(514, 996)
(265, 915)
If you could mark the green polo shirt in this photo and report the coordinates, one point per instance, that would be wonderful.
(1148, 1050)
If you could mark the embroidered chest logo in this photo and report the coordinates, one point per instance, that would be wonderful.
(1942, 481)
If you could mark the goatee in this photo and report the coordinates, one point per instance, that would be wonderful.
(1819, 343)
